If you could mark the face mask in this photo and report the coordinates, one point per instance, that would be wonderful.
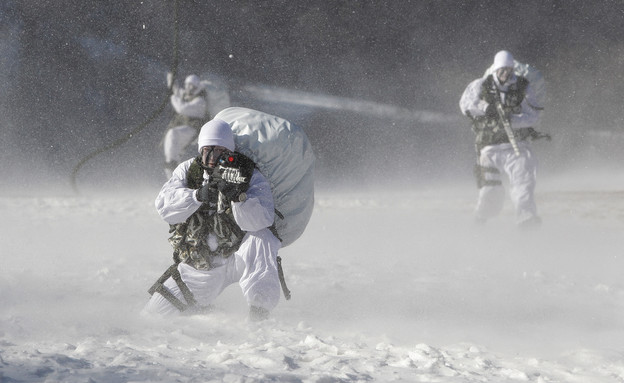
(504, 74)
(211, 155)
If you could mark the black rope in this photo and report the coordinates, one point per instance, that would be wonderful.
(151, 118)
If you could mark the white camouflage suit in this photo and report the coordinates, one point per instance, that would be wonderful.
(253, 265)
(521, 170)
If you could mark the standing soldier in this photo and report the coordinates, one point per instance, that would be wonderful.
(504, 109)
(190, 104)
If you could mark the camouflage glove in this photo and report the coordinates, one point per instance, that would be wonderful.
(490, 111)
(233, 174)
(207, 193)
(232, 192)
(535, 135)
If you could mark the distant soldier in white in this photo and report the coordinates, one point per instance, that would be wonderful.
(504, 108)
(190, 104)
(221, 212)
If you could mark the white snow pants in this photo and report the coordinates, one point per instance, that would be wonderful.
(253, 266)
(522, 173)
(176, 139)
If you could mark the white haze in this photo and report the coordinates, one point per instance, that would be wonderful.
(391, 281)
(388, 284)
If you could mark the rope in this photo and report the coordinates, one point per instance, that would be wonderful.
(151, 118)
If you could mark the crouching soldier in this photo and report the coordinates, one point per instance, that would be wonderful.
(221, 213)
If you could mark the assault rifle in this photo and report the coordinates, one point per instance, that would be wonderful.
(507, 125)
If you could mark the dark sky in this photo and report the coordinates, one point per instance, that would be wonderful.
(79, 74)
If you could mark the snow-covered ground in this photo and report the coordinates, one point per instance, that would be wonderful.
(386, 287)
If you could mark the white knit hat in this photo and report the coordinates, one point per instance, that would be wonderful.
(216, 133)
(503, 59)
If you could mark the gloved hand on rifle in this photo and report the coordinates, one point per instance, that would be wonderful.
(490, 111)
(208, 193)
(232, 176)
(535, 135)
(169, 80)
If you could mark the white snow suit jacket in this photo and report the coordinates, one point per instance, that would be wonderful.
(472, 105)
(176, 202)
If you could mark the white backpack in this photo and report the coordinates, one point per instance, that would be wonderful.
(283, 154)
